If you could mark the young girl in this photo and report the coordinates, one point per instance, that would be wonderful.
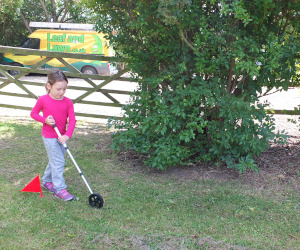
(56, 110)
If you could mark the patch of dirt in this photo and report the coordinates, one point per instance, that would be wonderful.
(278, 165)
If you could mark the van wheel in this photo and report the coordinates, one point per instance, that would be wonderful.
(15, 72)
(89, 70)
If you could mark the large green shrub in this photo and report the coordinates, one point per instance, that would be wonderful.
(201, 66)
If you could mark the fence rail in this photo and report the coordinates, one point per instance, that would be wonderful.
(46, 56)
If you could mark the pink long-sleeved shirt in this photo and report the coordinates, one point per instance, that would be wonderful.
(60, 110)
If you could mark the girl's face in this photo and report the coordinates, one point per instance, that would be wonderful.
(57, 90)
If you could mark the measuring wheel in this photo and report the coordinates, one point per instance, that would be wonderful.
(96, 200)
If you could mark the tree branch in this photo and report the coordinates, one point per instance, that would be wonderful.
(45, 10)
(65, 14)
(185, 40)
(25, 22)
(54, 11)
(229, 86)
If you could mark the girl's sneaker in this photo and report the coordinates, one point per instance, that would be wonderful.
(64, 195)
(49, 186)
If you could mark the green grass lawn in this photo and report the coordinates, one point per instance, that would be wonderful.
(143, 209)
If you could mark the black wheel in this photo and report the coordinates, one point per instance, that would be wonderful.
(89, 70)
(15, 72)
(96, 200)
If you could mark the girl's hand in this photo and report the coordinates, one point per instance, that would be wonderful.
(63, 139)
(50, 121)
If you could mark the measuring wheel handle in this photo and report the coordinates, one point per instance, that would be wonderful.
(96, 200)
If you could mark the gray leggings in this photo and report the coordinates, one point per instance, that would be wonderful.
(55, 169)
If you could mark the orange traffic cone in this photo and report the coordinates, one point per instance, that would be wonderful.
(34, 186)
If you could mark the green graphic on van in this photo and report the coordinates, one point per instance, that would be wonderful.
(97, 47)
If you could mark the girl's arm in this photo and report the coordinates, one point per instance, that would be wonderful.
(35, 112)
(72, 120)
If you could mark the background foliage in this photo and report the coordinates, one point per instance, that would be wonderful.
(9, 34)
(202, 66)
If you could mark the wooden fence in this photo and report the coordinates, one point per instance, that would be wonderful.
(7, 79)
(46, 56)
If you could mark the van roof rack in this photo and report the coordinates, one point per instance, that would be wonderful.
(69, 26)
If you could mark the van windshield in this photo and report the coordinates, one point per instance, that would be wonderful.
(31, 43)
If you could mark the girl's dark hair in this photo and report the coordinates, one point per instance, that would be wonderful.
(56, 76)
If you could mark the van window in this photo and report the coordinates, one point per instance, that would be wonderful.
(31, 43)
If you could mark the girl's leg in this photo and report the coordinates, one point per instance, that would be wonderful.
(56, 163)
(47, 174)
